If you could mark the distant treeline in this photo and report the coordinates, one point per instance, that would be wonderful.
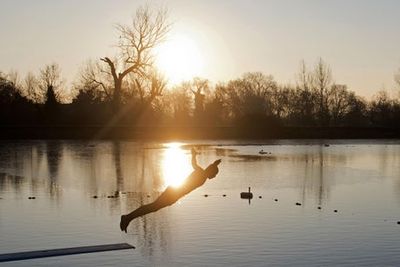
(255, 99)
(126, 90)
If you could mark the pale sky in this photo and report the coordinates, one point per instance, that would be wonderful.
(360, 39)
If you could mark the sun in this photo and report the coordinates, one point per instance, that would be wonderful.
(179, 59)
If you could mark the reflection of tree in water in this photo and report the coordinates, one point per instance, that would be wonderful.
(12, 164)
(116, 151)
(152, 231)
(20, 167)
(12, 183)
(320, 168)
(314, 177)
(54, 157)
(152, 234)
(389, 164)
(147, 175)
(224, 152)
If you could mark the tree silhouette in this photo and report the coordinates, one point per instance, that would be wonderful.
(322, 82)
(30, 88)
(397, 77)
(136, 44)
(200, 87)
(304, 99)
(50, 82)
(14, 108)
(253, 100)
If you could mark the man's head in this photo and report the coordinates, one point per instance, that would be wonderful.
(212, 170)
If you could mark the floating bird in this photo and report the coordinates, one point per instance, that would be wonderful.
(260, 197)
(319, 208)
(94, 196)
(298, 204)
(224, 195)
(262, 152)
(335, 211)
(31, 197)
(326, 145)
(205, 195)
(275, 199)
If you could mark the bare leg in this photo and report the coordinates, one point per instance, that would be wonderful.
(143, 210)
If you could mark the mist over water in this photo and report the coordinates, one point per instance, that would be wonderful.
(359, 179)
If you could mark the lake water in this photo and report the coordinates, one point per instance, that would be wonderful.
(359, 179)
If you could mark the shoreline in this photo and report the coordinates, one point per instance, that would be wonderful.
(193, 133)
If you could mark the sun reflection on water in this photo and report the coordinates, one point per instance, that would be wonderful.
(175, 165)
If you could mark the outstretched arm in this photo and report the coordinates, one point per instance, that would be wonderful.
(194, 160)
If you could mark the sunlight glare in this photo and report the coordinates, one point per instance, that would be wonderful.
(176, 165)
(179, 59)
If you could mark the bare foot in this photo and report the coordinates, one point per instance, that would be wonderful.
(124, 223)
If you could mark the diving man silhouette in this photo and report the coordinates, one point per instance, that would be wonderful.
(171, 194)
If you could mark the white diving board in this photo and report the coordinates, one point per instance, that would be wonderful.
(62, 252)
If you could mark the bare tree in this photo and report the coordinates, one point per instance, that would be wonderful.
(252, 94)
(136, 44)
(381, 109)
(50, 80)
(259, 84)
(339, 102)
(30, 88)
(257, 91)
(178, 102)
(146, 88)
(304, 78)
(230, 95)
(200, 87)
(322, 83)
(280, 100)
(7, 90)
(305, 97)
(97, 78)
(397, 77)
(13, 77)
